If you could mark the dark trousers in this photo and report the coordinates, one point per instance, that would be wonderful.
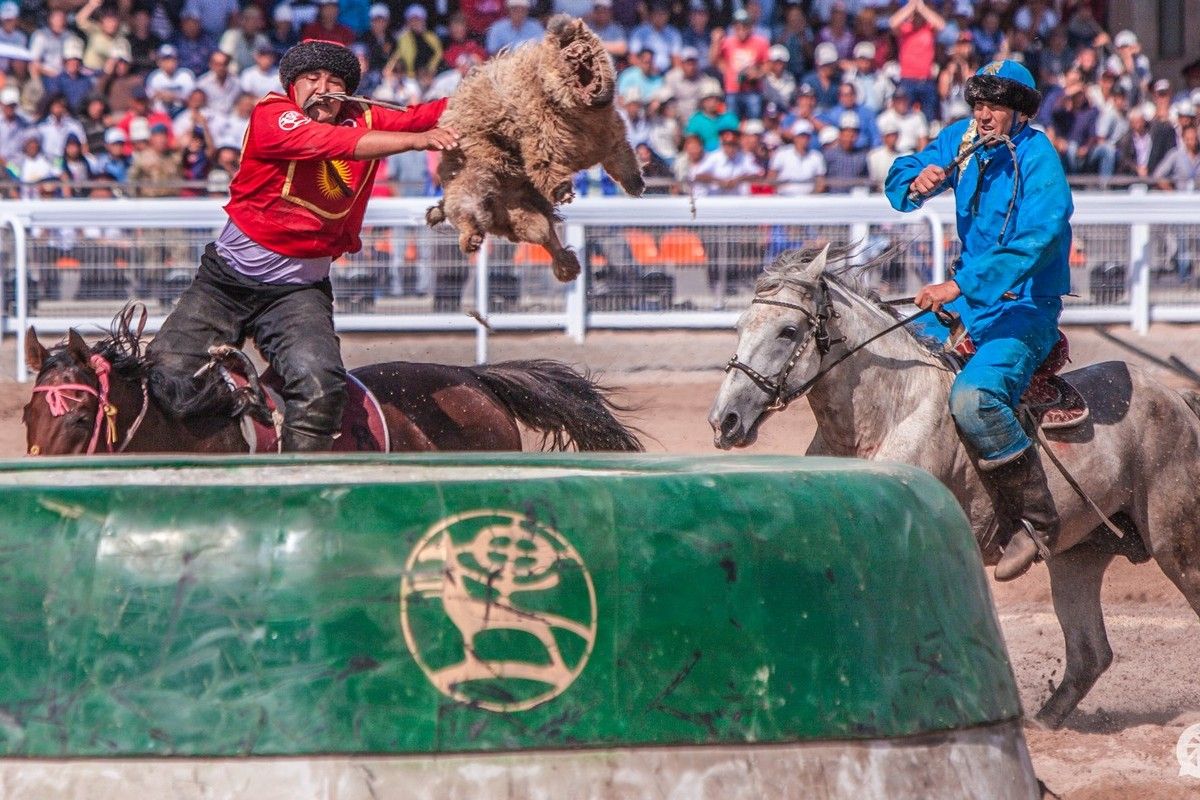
(291, 324)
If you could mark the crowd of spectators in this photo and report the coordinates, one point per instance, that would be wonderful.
(152, 97)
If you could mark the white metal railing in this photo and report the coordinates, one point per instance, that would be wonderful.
(655, 262)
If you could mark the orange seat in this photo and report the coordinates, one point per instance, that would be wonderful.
(67, 262)
(681, 247)
(529, 253)
(410, 251)
(1077, 257)
(642, 246)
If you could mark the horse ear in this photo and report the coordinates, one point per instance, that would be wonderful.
(77, 347)
(35, 354)
(817, 265)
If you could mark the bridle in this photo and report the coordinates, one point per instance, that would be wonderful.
(776, 389)
(59, 399)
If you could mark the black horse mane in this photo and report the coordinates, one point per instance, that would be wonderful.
(848, 266)
(181, 396)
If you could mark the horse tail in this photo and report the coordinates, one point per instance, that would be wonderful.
(568, 408)
(1192, 398)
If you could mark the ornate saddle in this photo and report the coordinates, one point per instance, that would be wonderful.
(1051, 400)
(364, 429)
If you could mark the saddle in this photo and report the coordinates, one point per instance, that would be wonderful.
(364, 429)
(1051, 400)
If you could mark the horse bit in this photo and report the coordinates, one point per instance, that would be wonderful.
(776, 388)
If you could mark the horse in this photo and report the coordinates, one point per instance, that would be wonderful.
(426, 407)
(812, 331)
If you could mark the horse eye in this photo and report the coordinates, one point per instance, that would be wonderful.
(788, 333)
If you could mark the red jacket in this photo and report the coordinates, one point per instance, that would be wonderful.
(299, 190)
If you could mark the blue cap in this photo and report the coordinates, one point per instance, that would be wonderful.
(1010, 70)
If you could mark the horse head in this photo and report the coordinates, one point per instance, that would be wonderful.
(65, 411)
(782, 340)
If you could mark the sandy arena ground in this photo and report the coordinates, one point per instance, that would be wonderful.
(1119, 744)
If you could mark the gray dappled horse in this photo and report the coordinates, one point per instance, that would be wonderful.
(1136, 455)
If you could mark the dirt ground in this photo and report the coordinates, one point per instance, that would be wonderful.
(1121, 741)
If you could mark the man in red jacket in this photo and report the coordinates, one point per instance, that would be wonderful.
(297, 203)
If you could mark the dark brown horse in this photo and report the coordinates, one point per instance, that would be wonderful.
(96, 400)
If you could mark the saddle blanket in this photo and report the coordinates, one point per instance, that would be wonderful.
(363, 427)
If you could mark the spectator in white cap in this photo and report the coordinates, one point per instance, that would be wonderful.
(1161, 97)
(32, 165)
(686, 83)
(837, 31)
(913, 127)
(751, 142)
(845, 162)
(600, 20)
(659, 36)
(381, 45)
(418, 49)
(46, 44)
(710, 119)
(868, 133)
(513, 29)
(872, 87)
(12, 123)
(1145, 144)
(825, 76)
(101, 34)
(169, 85)
(72, 83)
(1130, 62)
(10, 29)
(798, 169)
(880, 159)
(284, 34)
(114, 161)
(779, 86)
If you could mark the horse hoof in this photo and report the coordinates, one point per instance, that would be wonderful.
(636, 187)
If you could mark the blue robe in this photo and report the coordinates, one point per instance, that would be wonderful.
(1030, 261)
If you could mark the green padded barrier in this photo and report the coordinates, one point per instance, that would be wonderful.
(405, 604)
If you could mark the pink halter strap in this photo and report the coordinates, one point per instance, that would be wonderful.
(58, 397)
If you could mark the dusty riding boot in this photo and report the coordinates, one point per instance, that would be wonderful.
(1023, 505)
(295, 441)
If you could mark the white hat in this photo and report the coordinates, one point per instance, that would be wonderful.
(602, 3)
(139, 129)
(1125, 38)
(778, 53)
(689, 54)
(1184, 108)
(379, 11)
(9, 10)
(828, 134)
(283, 13)
(1161, 85)
(72, 48)
(167, 51)
(416, 10)
(849, 119)
(802, 127)
(10, 96)
(754, 126)
(864, 50)
(515, 3)
(1195, 98)
(887, 126)
(115, 136)
(825, 53)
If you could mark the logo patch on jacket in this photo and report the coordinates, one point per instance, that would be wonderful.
(290, 120)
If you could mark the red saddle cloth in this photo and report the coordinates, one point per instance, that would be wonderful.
(363, 427)
(1053, 401)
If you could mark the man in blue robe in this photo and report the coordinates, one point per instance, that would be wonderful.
(1013, 217)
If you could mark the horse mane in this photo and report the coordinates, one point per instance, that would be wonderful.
(179, 395)
(848, 267)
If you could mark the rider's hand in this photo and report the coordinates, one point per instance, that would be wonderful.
(439, 139)
(928, 180)
(935, 295)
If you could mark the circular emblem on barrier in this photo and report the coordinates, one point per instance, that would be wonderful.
(497, 609)
(1187, 751)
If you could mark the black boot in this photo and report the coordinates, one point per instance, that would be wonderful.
(295, 441)
(1025, 510)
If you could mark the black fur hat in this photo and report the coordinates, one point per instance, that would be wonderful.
(1004, 92)
(319, 54)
